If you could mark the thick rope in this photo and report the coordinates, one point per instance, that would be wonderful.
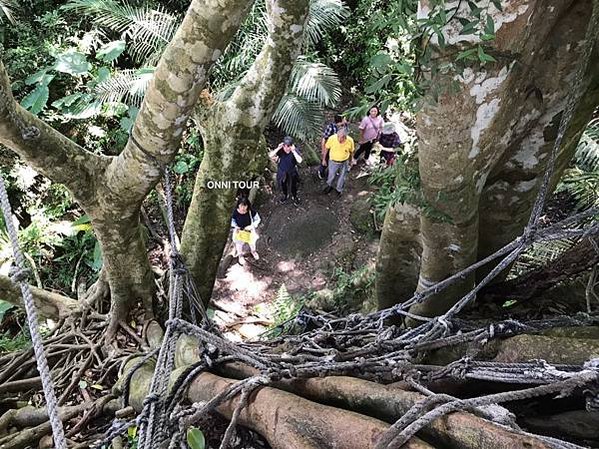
(32, 321)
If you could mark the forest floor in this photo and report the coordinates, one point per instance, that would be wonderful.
(303, 250)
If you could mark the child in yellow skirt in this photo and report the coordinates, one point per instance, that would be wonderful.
(244, 223)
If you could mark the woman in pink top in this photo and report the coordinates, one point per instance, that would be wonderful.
(370, 130)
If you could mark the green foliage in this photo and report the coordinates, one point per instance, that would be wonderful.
(4, 307)
(195, 438)
(355, 284)
(146, 29)
(14, 343)
(376, 47)
(401, 183)
(7, 7)
(186, 165)
(582, 180)
(285, 308)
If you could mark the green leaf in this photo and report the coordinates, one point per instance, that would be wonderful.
(440, 36)
(487, 37)
(484, 57)
(67, 101)
(36, 77)
(195, 438)
(110, 51)
(37, 99)
(497, 4)
(82, 384)
(103, 74)
(466, 54)
(73, 63)
(132, 432)
(181, 167)
(4, 307)
(469, 28)
(381, 61)
(375, 87)
(97, 263)
(210, 312)
(84, 219)
(490, 26)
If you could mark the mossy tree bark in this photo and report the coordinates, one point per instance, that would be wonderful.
(235, 149)
(483, 150)
(111, 189)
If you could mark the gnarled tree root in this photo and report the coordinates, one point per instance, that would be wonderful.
(37, 423)
(459, 430)
(288, 421)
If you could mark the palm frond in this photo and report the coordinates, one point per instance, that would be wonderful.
(298, 117)
(323, 17)
(315, 82)
(587, 152)
(243, 50)
(127, 86)
(148, 30)
(7, 7)
(540, 255)
(582, 186)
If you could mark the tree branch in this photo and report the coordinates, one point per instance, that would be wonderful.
(48, 304)
(173, 93)
(44, 148)
(260, 91)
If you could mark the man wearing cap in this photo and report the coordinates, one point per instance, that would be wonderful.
(288, 158)
(332, 128)
(341, 149)
(389, 141)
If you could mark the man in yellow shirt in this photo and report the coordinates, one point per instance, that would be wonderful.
(341, 150)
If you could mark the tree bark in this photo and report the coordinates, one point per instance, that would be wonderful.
(401, 235)
(234, 145)
(345, 412)
(48, 304)
(111, 189)
(288, 421)
(459, 430)
(483, 150)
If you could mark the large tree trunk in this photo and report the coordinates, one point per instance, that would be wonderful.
(111, 189)
(234, 142)
(227, 157)
(483, 151)
(397, 279)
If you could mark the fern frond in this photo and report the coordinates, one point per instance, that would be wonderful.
(540, 255)
(587, 152)
(127, 86)
(315, 82)
(583, 186)
(149, 30)
(323, 17)
(7, 7)
(298, 117)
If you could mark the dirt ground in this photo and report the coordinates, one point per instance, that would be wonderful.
(299, 249)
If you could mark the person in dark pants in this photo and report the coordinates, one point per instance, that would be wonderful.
(288, 158)
(389, 141)
(331, 129)
(370, 130)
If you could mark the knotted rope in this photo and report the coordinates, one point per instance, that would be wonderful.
(19, 276)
